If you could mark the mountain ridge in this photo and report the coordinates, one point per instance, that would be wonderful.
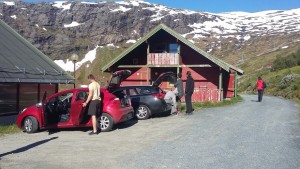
(64, 27)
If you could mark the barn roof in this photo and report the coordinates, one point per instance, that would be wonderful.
(215, 60)
(20, 61)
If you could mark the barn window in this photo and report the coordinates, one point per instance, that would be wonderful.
(173, 48)
(160, 48)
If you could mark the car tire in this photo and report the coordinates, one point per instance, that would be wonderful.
(142, 112)
(30, 124)
(105, 122)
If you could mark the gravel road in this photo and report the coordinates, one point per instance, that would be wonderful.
(246, 135)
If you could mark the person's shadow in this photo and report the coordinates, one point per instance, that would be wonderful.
(25, 148)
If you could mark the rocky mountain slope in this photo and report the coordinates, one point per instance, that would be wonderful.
(63, 27)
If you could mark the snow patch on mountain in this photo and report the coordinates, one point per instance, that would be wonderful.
(9, 3)
(133, 2)
(73, 24)
(62, 4)
(241, 25)
(121, 8)
(14, 16)
(69, 65)
(91, 3)
(131, 41)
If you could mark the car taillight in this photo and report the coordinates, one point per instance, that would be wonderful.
(158, 95)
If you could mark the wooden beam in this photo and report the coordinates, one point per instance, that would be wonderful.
(139, 66)
(201, 65)
(131, 66)
(235, 84)
(220, 85)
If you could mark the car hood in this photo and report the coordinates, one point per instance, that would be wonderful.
(168, 76)
(118, 77)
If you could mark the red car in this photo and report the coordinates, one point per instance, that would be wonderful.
(64, 109)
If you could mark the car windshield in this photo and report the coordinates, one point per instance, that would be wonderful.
(64, 97)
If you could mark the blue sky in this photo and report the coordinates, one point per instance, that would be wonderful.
(230, 5)
(217, 6)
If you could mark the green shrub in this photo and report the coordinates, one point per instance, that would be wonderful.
(286, 62)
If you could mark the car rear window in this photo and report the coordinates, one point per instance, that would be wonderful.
(145, 91)
(132, 92)
(136, 90)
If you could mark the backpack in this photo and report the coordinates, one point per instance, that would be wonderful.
(264, 85)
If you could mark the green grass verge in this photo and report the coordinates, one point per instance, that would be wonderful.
(234, 100)
(199, 105)
(10, 129)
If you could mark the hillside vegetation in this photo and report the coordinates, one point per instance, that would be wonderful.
(103, 57)
(280, 70)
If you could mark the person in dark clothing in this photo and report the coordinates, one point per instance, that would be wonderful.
(260, 86)
(179, 86)
(189, 90)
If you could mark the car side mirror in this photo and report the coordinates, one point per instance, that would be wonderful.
(38, 105)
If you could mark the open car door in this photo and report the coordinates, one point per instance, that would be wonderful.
(43, 114)
(77, 110)
(117, 78)
(165, 77)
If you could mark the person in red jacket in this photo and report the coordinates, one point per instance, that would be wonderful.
(260, 85)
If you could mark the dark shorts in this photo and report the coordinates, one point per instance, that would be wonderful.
(94, 107)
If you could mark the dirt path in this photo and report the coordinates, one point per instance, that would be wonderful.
(245, 135)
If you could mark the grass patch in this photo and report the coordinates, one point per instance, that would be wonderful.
(9, 129)
(199, 105)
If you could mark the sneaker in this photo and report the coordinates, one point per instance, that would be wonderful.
(93, 133)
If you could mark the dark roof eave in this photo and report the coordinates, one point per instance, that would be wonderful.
(28, 80)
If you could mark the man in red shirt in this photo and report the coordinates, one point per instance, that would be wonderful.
(260, 88)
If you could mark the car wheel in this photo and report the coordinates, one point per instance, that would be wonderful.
(142, 112)
(105, 122)
(30, 124)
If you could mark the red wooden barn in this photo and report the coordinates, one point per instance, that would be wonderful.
(164, 50)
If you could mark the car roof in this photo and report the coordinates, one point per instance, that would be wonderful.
(136, 86)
